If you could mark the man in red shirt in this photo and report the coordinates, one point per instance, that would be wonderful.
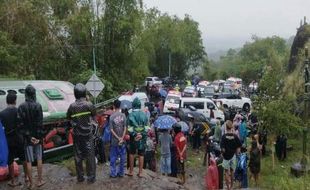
(180, 143)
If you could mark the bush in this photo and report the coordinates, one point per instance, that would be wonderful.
(278, 118)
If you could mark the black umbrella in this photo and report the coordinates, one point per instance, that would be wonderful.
(126, 104)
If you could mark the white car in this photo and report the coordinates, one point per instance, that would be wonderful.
(140, 95)
(236, 101)
(189, 91)
(152, 81)
(203, 105)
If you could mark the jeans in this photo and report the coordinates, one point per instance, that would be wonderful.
(165, 164)
(115, 152)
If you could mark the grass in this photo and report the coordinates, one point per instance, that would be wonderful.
(69, 163)
(280, 178)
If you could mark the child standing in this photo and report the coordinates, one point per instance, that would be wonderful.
(165, 142)
(254, 164)
(181, 145)
(149, 152)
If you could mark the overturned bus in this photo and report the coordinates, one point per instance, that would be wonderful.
(55, 98)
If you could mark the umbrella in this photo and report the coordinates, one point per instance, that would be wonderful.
(184, 126)
(163, 93)
(164, 122)
(126, 104)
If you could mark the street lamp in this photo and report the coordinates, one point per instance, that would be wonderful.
(303, 167)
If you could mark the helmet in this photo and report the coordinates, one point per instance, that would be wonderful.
(79, 91)
(30, 93)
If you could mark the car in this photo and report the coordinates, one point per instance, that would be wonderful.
(216, 86)
(203, 83)
(235, 82)
(172, 102)
(189, 91)
(236, 101)
(152, 81)
(209, 92)
(203, 105)
(140, 95)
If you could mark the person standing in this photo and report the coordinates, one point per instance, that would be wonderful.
(8, 117)
(196, 133)
(218, 131)
(81, 113)
(149, 156)
(243, 132)
(118, 146)
(230, 145)
(137, 128)
(165, 142)
(181, 145)
(255, 160)
(30, 116)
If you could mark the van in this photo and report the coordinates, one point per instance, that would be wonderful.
(203, 105)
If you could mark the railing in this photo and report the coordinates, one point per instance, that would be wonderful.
(106, 103)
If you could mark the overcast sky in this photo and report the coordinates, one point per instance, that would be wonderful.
(229, 23)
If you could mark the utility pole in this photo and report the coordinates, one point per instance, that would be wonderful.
(169, 64)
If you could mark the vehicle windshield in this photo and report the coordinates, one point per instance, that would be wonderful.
(229, 82)
(189, 89)
(173, 99)
(209, 90)
(227, 90)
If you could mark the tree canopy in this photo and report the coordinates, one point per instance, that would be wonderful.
(57, 40)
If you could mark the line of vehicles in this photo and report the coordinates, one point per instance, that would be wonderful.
(209, 97)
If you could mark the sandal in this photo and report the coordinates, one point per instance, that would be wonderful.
(41, 184)
(30, 186)
(140, 175)
(129, 175)
(14, 184)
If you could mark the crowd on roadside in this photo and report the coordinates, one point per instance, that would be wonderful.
(132, 136)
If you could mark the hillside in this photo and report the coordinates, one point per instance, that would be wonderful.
(300, 41)
(294, 81)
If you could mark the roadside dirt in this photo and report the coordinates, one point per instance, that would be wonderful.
(59, 178)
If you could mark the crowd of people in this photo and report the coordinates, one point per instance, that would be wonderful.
(233, 156)
(131, 134)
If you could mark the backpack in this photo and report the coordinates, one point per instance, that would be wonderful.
(241, 170)
(107, 135)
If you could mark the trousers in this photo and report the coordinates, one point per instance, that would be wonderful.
(84, 150)
(115, 153)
